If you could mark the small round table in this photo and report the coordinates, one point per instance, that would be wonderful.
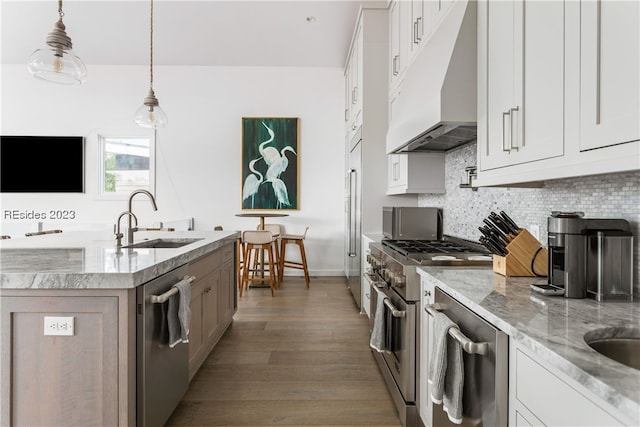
(262, 216)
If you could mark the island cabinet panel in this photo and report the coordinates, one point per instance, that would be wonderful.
(82, 379)
(542, 395)
(227, 301)
(212, 302)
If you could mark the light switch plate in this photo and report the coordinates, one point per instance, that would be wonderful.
(58, 325)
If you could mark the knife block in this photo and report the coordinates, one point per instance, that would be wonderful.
(525, 253)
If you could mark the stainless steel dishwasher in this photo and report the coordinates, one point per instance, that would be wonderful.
(162, 372)
(486, 366)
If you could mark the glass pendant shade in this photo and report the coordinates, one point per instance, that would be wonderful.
(150, 115)
(58, 66)
(57, 63)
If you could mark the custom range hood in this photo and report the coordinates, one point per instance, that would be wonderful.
(436, 107)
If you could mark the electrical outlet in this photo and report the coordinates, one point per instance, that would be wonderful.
(58, 325)
(534, 229)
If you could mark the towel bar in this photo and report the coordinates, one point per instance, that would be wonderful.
(159, 299)
(468, 345)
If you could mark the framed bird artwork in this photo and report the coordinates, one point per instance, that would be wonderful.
(270, 155)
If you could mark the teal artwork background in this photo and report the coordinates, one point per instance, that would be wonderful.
(269, 195)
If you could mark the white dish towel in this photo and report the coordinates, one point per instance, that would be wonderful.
(179, 314)
(446, 368)
(377, 341)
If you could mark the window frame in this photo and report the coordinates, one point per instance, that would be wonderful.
(103, 136)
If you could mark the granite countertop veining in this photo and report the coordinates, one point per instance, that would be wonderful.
(551, 326)
(90, 260)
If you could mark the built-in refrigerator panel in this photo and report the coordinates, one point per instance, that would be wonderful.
(353, 208)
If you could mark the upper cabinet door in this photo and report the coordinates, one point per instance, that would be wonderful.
(609, 73)
(521, 82)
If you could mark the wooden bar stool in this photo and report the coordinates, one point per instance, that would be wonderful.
(297, 239)
(275, 230)
(256, 243)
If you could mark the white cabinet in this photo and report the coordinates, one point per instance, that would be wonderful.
(416, 173)
(558, 86)
(353, 84)
(523, 90)
(399, 15)
(609, 73)
(426, 339)
(411, 24)
(542, 395)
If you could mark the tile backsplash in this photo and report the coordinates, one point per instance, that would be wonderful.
(599, 196)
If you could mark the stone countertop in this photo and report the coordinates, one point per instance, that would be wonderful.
(552, 327)
(90, 260)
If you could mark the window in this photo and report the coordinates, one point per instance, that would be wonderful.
(127, 163)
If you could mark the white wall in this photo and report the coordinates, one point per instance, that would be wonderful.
(198, 153)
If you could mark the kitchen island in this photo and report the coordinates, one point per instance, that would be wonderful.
(553, 372)
(81, 368)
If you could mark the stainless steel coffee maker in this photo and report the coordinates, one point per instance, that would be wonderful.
(590, 256)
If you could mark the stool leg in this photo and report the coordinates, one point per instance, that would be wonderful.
(276, 262)
(303, 255)
(248, 253)
(239, 265)
(272, 271)
(283, 243)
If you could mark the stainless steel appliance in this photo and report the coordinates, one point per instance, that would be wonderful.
(162, 372)
(400, 222)
(610, 265)
(486, 366)
(568, 236)
(393, 266)
(353, 206)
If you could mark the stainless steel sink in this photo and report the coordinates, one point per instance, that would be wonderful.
(162, 243)
(619, 344)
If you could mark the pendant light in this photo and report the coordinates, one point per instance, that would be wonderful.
(57, 63)
(150, 115)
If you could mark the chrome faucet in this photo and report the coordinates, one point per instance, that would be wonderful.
(131, 229)
(116, 228)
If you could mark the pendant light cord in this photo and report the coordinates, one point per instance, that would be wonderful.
(150, 48)
(60, 12)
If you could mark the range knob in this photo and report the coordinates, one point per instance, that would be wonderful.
(399, 281)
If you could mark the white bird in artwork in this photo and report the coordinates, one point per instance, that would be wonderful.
(269, 154)
(251, 183)
(280, 165)
(280, 190)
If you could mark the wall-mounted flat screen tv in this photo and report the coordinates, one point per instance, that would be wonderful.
(41, 164)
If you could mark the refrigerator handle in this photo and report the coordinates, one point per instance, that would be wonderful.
(352, 213)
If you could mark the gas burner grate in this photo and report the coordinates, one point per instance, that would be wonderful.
(409, 247)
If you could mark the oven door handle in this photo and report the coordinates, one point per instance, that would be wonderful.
(394, 311)
(467, 344)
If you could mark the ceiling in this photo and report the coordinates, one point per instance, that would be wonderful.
(201, 32)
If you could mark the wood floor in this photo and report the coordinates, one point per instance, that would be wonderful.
(300, 358)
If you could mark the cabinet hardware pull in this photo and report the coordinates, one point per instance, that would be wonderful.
(159, 299)
(395, 64)
(351, 250)
(418, 26)
(511, 146)
(346, 114)
(504, 148)
(467, 344)
(354, 95)
(415, 32)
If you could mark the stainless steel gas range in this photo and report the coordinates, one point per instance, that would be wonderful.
(392, 272)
